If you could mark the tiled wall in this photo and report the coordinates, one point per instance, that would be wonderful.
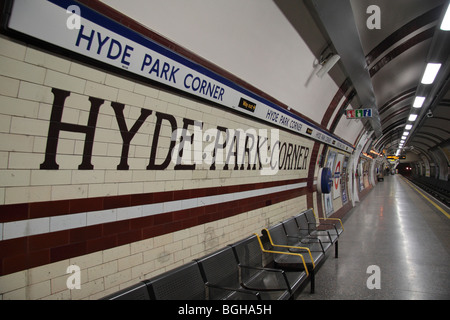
(119, 226)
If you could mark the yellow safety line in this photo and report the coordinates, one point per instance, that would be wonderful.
(431, 201)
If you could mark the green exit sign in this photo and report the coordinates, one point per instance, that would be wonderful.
(358, 113)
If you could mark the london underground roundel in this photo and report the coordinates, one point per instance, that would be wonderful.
(324, 181)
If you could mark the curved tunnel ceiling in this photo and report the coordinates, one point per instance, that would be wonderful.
(411, 37)
(395, 56)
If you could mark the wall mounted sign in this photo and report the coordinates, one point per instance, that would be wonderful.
(358, 113)
(103, 39)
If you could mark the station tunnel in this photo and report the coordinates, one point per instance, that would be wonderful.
(139, 138)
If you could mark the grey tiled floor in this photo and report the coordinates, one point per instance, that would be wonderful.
(396, 229)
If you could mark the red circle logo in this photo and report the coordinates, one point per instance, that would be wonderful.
(337, 170)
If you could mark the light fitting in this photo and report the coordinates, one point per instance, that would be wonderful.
(418, 102)
(445, 25)
(430, 73)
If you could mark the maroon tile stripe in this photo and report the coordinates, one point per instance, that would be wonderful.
(33, 251)
(23, 211)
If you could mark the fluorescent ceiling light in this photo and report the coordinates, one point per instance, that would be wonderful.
(446, 21)
(412, 117)
(408, 127)
(430, 73)
(405, 133)
(418, 102)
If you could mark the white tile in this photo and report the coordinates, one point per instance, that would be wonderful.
(21, 70)
(103, 216)
(25, 228)
(12, 49)
(189, 203)
(216, 199)
(9, 87)
(60, 80)
(229, 197)
(247, 194)
(67, 222)
(172, 206)
(152, 209)
(50, 177)
(14, 178)
(129, 213)
(204, 201)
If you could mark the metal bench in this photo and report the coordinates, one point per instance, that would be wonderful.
(313, 253)
(257, 277)
(182, 283)
(221, 274)
(307, 229)
(138, 291)
(298, 236)
(331, 224)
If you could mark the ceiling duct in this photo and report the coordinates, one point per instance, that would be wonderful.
(337, 19)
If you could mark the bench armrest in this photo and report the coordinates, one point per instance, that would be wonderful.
(307, 240)
(283, 252)
(318, 233)
(333, 224)
(277, 271)
(291, 247)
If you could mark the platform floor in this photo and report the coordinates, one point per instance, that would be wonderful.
(398, 230)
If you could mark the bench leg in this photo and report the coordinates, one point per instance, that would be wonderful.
(313, 280)
(336, 249)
